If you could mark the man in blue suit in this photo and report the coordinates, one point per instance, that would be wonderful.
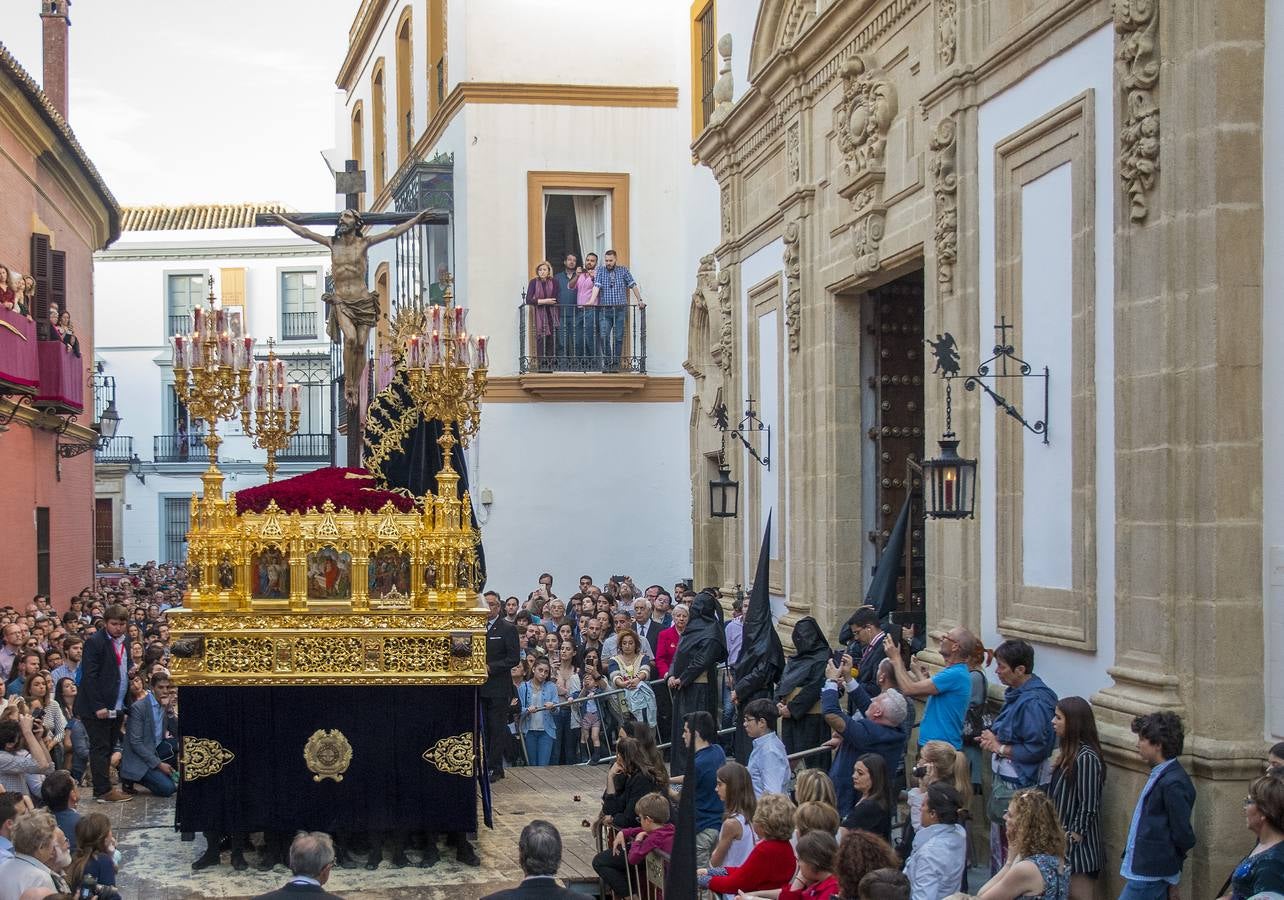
(147, 755)
(1160, 835)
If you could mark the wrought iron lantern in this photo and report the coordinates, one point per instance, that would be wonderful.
(949, 480)
(724, 494)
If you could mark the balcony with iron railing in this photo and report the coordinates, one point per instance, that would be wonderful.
(119, 449)
(307, 447)
(180, 448)
(568, 338)
(299, 326)
(179, 323)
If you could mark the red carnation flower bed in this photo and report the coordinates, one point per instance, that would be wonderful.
(312, 489)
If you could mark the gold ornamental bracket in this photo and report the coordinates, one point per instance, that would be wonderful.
(203, 757)
(327, 755)
(453, 755)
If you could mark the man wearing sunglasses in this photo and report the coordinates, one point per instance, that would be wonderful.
(947, 691)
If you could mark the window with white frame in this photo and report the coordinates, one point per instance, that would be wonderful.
(576, 221)
(300, 291)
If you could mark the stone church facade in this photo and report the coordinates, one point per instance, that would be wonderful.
(1084, 182)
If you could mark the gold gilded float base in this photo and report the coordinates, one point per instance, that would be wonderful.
(357, 648)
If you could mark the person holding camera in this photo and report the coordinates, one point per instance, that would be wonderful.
(1021, 739)
(947, 692)
(22, 753)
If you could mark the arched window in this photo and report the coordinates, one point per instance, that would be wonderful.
(359, 143)
(378, 131)
(436, 54)
(405, 105)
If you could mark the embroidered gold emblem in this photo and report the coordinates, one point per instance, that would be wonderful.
(328, 754)
(204, 756)
(452, 755)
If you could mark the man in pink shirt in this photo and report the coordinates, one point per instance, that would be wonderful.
(586, 313)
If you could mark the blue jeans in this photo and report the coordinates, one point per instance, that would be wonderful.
(610, 332)
(539, 748)
(586, 334)
(159, 783)
(1144, 890)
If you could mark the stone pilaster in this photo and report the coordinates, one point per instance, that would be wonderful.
(1188, 425)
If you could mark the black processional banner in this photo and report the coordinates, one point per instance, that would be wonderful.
(329, 758)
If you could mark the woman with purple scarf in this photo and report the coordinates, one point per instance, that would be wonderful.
(542, 294)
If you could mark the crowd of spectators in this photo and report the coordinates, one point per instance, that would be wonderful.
(580, 314)
(820, 797)
(18, 294)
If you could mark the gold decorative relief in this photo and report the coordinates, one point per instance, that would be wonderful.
(203, 757)
(453, 755)
(407, 654)
(236, 654)
(327, 754)
(329, 654)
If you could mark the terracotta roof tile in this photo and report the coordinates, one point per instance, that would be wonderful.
(195, 216)
(10, 66)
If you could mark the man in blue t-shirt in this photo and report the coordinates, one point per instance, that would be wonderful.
(947, 691)
(709, 758)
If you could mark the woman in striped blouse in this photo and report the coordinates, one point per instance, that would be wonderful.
(1077, 780)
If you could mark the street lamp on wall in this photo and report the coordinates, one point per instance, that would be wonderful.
(949, 480)
(107, 425)
(724, 494)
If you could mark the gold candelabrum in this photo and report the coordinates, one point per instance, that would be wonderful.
(275, 420)
(212, 376)
(446, 370)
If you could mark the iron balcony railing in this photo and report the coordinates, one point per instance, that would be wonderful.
(180, 324)
(565, 338)
(306, 448)
(119, 449)
(186, 447)
(299, 326)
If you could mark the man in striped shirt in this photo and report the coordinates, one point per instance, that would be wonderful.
(611, 287)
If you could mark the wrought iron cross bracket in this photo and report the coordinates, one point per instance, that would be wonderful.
(996, 367)
(750, 424)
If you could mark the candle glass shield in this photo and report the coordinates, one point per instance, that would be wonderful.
(212, 379)
(275, 418)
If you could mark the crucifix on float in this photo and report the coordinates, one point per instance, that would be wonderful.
(352, 309)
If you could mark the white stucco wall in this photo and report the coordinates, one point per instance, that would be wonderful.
(130, 325)
(1087, 65)
(1273, 369)
(574, 42)
(764, 264)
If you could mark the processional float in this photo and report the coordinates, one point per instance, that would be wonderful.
(332, 639)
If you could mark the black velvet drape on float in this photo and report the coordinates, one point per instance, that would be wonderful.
(414, 759)
(402, 450)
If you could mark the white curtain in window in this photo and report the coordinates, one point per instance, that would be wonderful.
(588, 222)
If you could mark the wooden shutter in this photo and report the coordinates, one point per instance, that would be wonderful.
(58, 278)
(233, 284)
(40, 272)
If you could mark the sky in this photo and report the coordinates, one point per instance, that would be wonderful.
(196, 102)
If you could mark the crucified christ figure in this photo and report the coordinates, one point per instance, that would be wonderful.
(352, 309)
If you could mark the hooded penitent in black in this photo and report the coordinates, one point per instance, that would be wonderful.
(762, 658)
(701, 648)
(799, 690)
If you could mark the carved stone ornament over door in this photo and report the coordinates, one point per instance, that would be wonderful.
(864, 116)
(793, 284)
(1137, 65)
(700, 363)
(945, 186)
(722, 351)
(947, 31)
(862, 120)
